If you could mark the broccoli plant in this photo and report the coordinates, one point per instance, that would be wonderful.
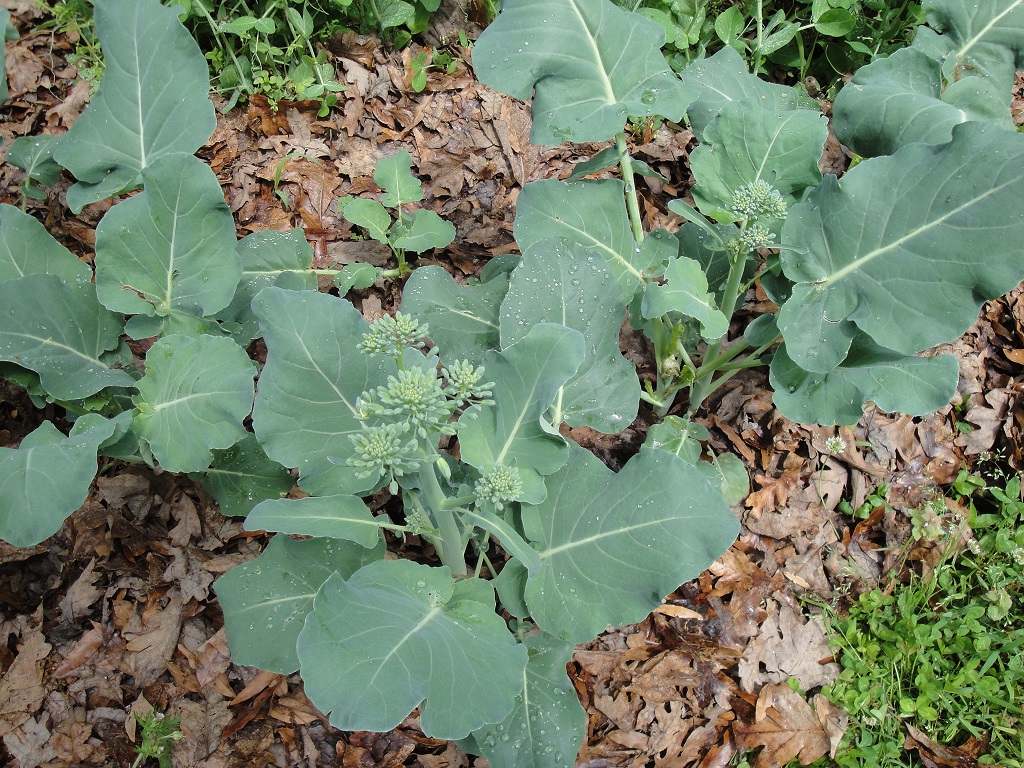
(452, 411)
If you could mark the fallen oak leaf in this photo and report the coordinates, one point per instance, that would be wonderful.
(786, 727)
(935, 755)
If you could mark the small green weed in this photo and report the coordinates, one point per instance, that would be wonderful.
(946, 653)
(157, 739)
(809, 38)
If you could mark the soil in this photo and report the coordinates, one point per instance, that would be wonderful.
(115, 614)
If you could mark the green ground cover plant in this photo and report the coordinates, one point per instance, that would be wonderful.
(271, 47)
(454, 406)
(943, 653)
(823, 39)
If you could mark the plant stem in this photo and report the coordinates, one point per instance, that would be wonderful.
(632, 204)
(451, 550)
(702, 386)
(760, 34)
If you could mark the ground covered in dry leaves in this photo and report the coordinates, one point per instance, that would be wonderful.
(116, 613)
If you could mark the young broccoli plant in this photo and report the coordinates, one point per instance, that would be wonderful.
(413, 231)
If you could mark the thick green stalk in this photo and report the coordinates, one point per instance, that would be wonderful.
(701, 388)
(452, 552)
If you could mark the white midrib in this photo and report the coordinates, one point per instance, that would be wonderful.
(984, 30)
(870, 256)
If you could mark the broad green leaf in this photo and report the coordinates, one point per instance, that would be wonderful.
(510, 584)
(154, 100)
(685, 291)
(705, 245)
(727, 473)
(170, 248)
(979, 22)
(268, 258)
(61, 332)
(513, 430)
(334, 517)
(47, 478)
(906, 248)
(420, 231)
(729, 24)
(397, 635)
(591, 213)
(27, 248)
(723, 78)
(907, 97)
(586, 63)
(893, 381)
(242, 476)
(356, 276)
(266, 600)
(306, 405)
(463, 319)
(548, 725)
(394, 175)
(679, 437)
(390, 13)
(368, 214)
(745, 143)
(835, 22)
(193, 399)
(655, 524)
(34, 155)
(565, 283)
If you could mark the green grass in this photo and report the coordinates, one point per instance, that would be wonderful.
(944, 653)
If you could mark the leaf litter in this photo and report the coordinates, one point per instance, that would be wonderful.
(115, 613)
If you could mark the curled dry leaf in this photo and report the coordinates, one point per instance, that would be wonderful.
(787, 728)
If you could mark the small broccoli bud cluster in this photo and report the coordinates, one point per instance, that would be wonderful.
(758, 199)
(391, 335)
(466, 383)
(386, 451)
(414, 397)
(499, 485)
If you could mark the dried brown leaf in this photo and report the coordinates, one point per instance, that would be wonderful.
(786, 728)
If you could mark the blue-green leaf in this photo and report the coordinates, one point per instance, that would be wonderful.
(306, 405)
(193, 399)
(27, 248)
(397, 635)
(47, 478)
(242, 476)
(745, 143)
(905, 248)
(268, 258)
(463, 319)
(61, 332)
(154, 100)
(685, 291)
(513, 430)
(266, 600)
(170, 248)
(655, 524)
(591, 213)
(724, 78)
(548, 725)
(561, 282)
(587, 64)
(893, 381)
(335, 517)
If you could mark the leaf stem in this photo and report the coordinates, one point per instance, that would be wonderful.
(632, 204)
